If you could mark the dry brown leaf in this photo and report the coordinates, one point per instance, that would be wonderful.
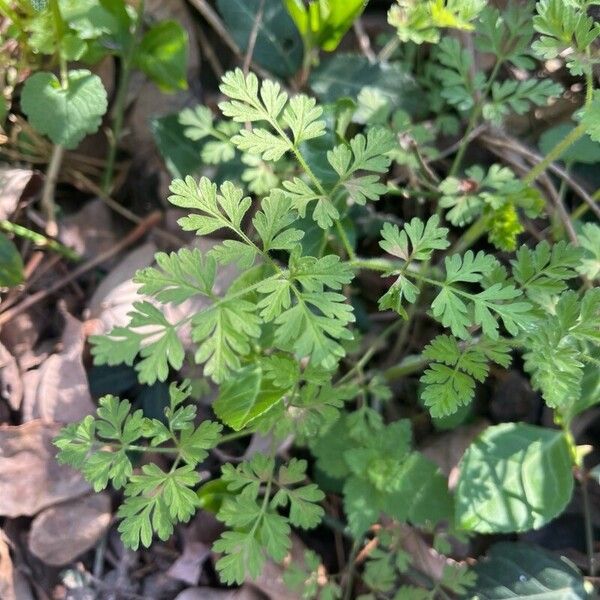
(90, 231)
(30, 477)
(20, 335)
(423, 558)
(115, 296)
(188, 566)
(60, 533)
(13, 586)
(12, 185)
(58, 391)
(206, 593)
(447, 449)
(270, 581)
(11, 384)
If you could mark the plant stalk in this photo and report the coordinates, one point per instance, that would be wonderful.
(589, 531)
(47, 202)
(119, 110)
(554, 154)
(39, 240)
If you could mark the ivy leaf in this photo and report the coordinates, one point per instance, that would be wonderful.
(506, 475)
(162, 55)
(65, 115)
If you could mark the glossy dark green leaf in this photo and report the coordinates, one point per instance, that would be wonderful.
(514, 477)
(278, 46)
(348, 74)
(162, 55)
(180, 153)
(11, 264)
(523, 571)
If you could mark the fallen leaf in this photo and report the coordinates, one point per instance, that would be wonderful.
(270, 581)
(206, 593)
(60, 533)
(13, 586)
(448, 448)
(13, 183)
(20, 335)
(188, 566)
(11, 384)
(114, 297)
(58, 390)
(423, 558)
(90, 231)
(30, 477)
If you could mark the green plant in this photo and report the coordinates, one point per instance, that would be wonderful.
(283, 344)
(68, 107)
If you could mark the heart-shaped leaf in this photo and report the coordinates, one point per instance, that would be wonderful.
(65, 114)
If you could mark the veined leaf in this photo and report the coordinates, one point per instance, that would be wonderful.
(514, 477)
(247, 396)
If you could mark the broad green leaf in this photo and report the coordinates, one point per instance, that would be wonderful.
(278, 47)
(11, 263)
(584, 150)
(245, 397)
(324, 24)
(347, 74)
(66, 116)
(425, 491)
(179, 151)
(521, 571)
(162, 55)
(513, 477)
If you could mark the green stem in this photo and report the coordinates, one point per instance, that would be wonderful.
(554, 154)
(228, 437)
(149, 449)
(373, 264)
(589, 531)
(345, 241)
(39, 240)
(474, 118)
(120, 101)
(470, 236)
(351, 568)
(584, 207)
(408, 366)
(371, 350)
